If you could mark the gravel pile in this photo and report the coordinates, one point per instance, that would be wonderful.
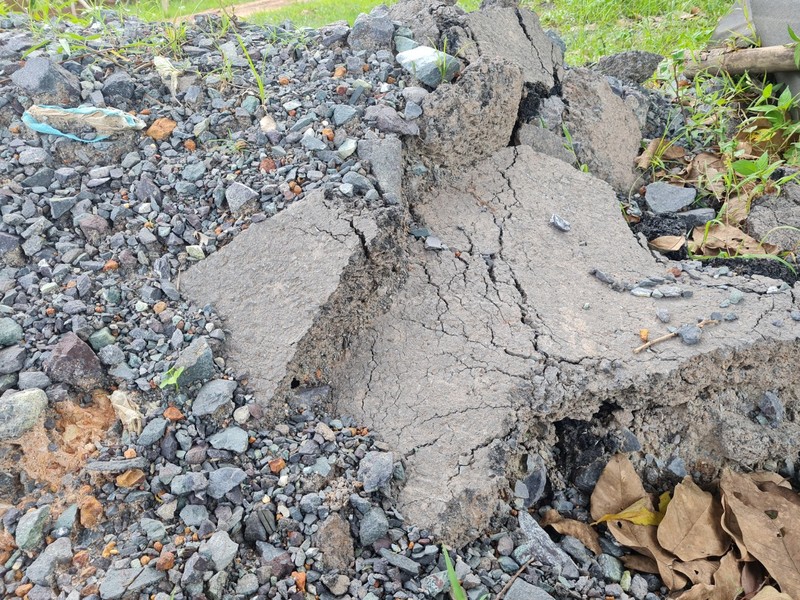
(187, 497)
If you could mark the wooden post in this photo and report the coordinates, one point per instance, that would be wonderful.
(772, 59)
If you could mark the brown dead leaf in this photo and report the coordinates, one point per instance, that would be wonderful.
(706, 171)
(698, 571)
(577, 529)
(130, 478)
(726, 584)
(691, 528)
(667, 243)
(754, 576)
(618, 488)
(642, 564)
(770, 593)
(760, 477)
(736, 209)
(725, 238)
(161, 129)
(642, 539)
(731, 527)
(769, 528)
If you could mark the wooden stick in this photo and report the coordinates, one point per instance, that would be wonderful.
(772, 59)
(669, 336)
(513, 578)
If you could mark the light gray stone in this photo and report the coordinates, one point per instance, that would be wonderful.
(234, 439)
(429, 65)
(515, 35)
(385, 155)
(220, 549)
(42, 570)
(20, 411)
(212, 396)
(522, 590)
(47, 82)
(239, 196)
(223, 480)
(10, 332)
(30, 529)
(665, 198)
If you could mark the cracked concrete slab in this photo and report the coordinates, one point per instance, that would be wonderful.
(293, 288)
(514, 34)
(492, 341)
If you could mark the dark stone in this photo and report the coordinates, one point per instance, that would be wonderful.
(73, 362)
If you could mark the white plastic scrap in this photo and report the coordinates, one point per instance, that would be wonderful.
(127, 411)
(168, 73)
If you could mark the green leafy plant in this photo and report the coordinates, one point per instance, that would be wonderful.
(171, 377)
(796, 40)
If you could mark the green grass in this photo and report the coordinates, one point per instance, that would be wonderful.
(316, 13)
(595, 28)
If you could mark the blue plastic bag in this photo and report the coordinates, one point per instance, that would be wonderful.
(105, 121)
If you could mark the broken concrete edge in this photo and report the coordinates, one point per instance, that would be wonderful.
(358, 251)
(456, 499)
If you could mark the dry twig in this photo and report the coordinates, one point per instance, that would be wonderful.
(669, 336)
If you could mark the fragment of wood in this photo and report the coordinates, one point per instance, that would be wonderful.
(669, 336)
(771, 59)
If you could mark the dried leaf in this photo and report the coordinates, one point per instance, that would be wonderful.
(644, 160)
(642, 539)
(127, 411)
(640, 513)
(706, 169)
(725, 238)
(770, 593)
(754, 576)
(727, 579)
(130, 478)
(731, 526)
(642, 564)
(577, 529)
(618, 488)
(769, 528)
(736, 209)
(691, 528)
(698, 571)
(667, 243)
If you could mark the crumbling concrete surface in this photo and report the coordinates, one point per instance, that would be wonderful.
(473, 118)
(493, 340)
(605, 131)
(294, 288)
